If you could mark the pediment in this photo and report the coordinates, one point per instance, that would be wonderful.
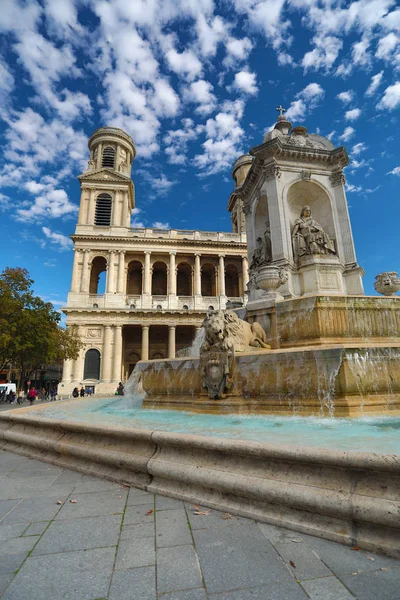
(104, 174)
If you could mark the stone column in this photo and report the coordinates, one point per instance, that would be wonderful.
(117, 362)
(121, 289)
(245, 273)
(172, 274)
(99, 155)
(145, 342)
(147, 274)
(111, 272)
(80, 361)
(83, 207)
(115, 221)
(91, 208)
(85, 272)
(75, 283)
(221, 275)
(197, 275)
(106, 358)
(171, 341)
(68, 370)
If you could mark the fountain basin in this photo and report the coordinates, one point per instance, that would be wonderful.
(342, 380)
(349, 497)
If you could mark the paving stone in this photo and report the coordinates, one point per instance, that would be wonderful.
(4, 581)
(134, 584)
(172, 528)
(82, 575)
(375, 585)
(88, 483)
(27, 474)
(49, 491)
(234, 558)
(136, 497)
(36, 528)
(278, 534)
(38, 508)
(293, 592)
(80, 534)
(307, 564)
(93, 504)
(140, 530)
(342, 559)
(165, 503)
(68, 477)
(17, 545)
(138, 514)
(213, 518)
(11, 531)
(198, 594)
(177, 569)
(11, 562)
(6, 506)
(135, 552)
(326, 588)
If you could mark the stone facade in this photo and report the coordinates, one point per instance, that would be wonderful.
(159, 284)
(291, 190)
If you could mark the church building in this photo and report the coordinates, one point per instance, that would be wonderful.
(141, 293)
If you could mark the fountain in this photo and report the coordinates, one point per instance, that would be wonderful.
(315, 350)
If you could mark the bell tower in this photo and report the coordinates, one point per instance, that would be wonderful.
(107, 191)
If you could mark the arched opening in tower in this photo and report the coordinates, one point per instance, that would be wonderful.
(159, 279)
(208, 280)
(184, 280)
(98, 270)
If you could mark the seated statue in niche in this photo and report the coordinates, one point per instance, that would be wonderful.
(262, 254)
(309, 237)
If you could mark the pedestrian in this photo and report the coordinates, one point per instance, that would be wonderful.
(53, 394)
(32, 395)
(89, 391)
(21, 396)
(120, 389)
(82, 392)
(75, 393)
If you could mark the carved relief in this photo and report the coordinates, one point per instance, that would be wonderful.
(338, 178)
(271, 171)
(328, 280)
(387, 283)
(306, 175)
(93, 333)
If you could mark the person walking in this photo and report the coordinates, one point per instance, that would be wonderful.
(82, 392)
(75, 393)
(32, 395)
(53, 394)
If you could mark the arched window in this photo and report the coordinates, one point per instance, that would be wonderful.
(208, 280)
(184, 280)
(108, 157)
(232, 281)
(102, 215)
(159, 280)
(134, 278)
(98, 275)
(92, 365)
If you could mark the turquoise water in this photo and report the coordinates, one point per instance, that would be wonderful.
(367, 434)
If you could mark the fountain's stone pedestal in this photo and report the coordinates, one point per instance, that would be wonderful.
(320, 320)
(341, 381)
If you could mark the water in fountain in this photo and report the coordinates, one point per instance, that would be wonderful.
(194, 349)
(133, 392)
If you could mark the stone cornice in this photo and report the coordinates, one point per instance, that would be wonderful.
(272, 156)
(103, 175)
(142, 245)
(142, 315)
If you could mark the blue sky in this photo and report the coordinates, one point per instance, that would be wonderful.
(196, 84)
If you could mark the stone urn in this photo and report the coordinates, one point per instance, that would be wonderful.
(270, 278)
(387, 283)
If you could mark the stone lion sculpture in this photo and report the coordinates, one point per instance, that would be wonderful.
(224, 331)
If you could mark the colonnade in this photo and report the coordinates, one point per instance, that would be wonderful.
(111, 352)
(117, 269)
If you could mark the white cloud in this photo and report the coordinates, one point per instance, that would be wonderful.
(201, 92)
(391, 97)
(285, 59)
(360, 54)
(246, 82)
(52, 204)
(350, 187)
(387, 46)
(324, 54)
(375, 83)
(7, 83)
(352, 115)
(58, 239)
(160, 225)
(237, 50)
(346, 97)
(306, 100)
(357, 148)
(165, 101)
(185, 63)
(395, 171)
(265, 15)
(224, 136)
(210, 33)
(177, 141)
(347, 134)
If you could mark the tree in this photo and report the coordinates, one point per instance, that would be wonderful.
(30, 335)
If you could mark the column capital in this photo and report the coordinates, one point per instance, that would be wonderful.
(145, 326)
(221, 255)
(147, 252)
(172, 326)
(121, 251)
(172, 253)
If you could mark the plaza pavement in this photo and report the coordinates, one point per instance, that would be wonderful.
(68, 536)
